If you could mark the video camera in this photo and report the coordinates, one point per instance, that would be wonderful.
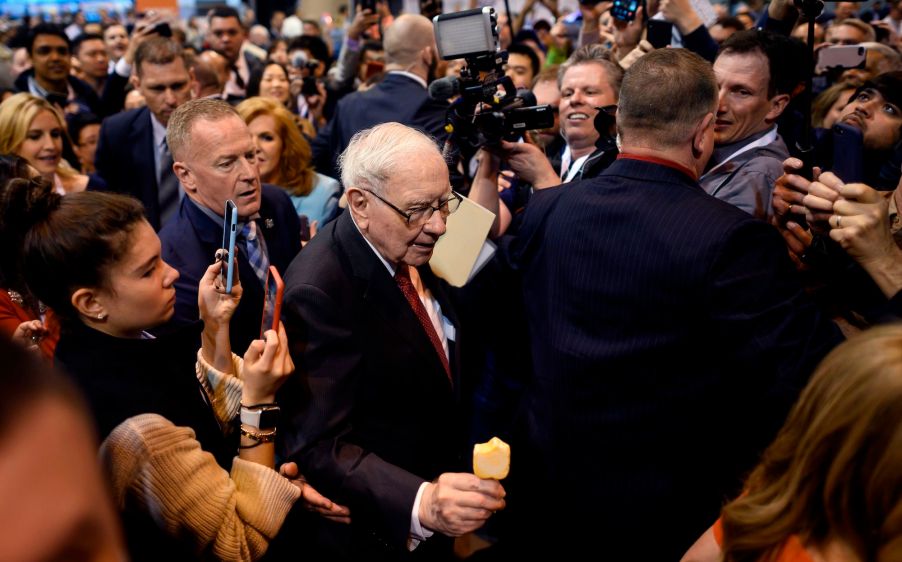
(490, 108)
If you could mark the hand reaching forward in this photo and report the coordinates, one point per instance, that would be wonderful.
(458, 503)
(313, 500)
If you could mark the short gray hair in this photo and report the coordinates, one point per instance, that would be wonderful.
(178, 131)
(374, 154)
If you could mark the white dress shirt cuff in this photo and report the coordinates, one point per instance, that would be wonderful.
(417, 532)
(122, 68)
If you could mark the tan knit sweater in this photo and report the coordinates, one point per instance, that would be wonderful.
(163, 468)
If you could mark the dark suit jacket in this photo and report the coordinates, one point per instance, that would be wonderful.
(669, 338)
(125, 159)
(370, 413)
(191, 239)
(397, 98)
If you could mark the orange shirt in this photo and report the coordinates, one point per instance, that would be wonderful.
(791, 551)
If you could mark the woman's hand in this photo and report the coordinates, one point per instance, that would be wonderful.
(29, 335)
(267, 364)
(215, 305)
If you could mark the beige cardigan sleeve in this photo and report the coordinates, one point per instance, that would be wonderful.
(163, 468)
(223, 390)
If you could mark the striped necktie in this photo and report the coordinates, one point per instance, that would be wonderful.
(255, 247)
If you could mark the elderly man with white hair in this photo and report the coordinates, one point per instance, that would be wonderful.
(373, 411)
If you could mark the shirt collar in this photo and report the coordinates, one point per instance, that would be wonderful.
(388, 266)
(419, 80)
(159, 131)
(661, 161)
(721, 151)
(218, 218)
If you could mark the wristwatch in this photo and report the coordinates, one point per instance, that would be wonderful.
(261, 416)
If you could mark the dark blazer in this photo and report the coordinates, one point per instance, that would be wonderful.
(669, 337)
(370, 413)
(126, 159)
(397, 98)
(190, 241)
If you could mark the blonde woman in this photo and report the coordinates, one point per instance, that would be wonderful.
(830, 486)
(34, 129)
(284, 159)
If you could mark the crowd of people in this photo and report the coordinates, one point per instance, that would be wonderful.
(672, 270)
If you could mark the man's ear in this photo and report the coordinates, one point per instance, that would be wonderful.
(777, 104)
(185, 177)
(88, 303)
(359, 205)
(135, 81)
(704, 128)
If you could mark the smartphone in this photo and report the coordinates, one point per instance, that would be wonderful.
(229, 231)
(308, 88)
(625, 10)
(162, 29)
(305, 228)
(659, 33)
(841, 56)
(848, 153)
(272, 301)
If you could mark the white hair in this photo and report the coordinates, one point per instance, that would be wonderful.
(374, 154)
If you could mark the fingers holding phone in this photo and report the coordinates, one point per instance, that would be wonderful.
(267, 363)
(215, 305)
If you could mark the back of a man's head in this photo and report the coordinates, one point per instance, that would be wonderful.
(406, 37)
(160, 51)
(647, 113)
(785, 56)
(182, 120)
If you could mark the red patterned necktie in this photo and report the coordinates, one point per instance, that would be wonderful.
(410, 293)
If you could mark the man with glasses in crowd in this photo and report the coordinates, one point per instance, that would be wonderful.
(374, 407)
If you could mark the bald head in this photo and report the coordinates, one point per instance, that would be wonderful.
(406, 38)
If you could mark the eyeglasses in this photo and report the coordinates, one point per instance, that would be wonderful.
(421, 215)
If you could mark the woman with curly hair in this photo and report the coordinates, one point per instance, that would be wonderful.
(284, 159)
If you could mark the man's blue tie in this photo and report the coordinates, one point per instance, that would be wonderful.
(255, 246)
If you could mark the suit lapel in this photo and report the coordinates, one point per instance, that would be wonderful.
(141, 139)
(380, 291)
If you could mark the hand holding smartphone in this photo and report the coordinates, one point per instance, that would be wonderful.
(272, 301)
(229, 231)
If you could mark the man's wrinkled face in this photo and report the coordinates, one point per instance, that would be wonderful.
(878, 119)
(419, 183)
(220, 164)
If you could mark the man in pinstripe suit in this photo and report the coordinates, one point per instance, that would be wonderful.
(669, 337)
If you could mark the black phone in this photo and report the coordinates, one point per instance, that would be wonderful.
(659, 33)
(162, 29)
(625, 10)
(848, 153)
(368, 5)
(308, 88)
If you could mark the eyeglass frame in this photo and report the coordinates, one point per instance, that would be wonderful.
(407, 216)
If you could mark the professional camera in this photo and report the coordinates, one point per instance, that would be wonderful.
(490, 108)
